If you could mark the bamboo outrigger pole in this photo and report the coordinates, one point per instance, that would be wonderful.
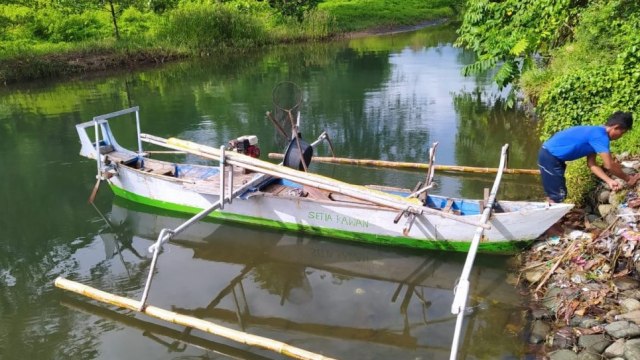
(203, 325)
(462, 289)
(410, 165)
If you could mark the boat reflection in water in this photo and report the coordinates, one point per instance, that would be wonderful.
(343, 300)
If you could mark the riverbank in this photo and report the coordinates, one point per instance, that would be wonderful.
(88, 61)
(584, 283)
(58, 40)
(32, 67)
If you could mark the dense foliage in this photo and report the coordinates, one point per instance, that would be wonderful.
(605, 74)
(607, 50)
(577, 61)
(512, 34)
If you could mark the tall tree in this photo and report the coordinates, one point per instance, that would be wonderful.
(114, 18)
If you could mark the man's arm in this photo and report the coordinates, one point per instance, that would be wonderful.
(597, 170)
(613, 167)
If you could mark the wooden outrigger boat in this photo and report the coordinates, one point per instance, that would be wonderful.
(245, 189)
(310, 203)
(261, 193)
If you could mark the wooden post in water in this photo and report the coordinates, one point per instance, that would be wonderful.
(173, 317)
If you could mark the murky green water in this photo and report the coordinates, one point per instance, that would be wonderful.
(381, 97)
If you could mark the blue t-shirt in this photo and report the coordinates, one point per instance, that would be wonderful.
(578, 141)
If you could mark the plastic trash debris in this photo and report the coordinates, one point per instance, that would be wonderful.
(554, 240)
(577, 234)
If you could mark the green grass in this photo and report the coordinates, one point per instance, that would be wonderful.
(354, 15)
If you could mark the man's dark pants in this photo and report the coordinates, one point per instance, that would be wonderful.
(552, 172)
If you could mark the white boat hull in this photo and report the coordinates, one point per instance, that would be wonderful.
(354, 213)
(365, 223)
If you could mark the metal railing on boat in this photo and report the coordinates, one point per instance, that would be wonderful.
(225, 196)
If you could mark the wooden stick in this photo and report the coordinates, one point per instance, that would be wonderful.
(277, 125)
(554, 267)
(533, 266)
(432, 158)
(410, 165)
(173, 317)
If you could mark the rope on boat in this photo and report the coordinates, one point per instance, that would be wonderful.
(184, 320)
(462, 289)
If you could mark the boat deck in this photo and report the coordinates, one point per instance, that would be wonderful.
(206, 179)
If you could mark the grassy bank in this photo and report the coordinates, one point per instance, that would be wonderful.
(43, 41)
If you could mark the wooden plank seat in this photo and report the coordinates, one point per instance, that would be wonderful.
(121, 157)
(448, 205)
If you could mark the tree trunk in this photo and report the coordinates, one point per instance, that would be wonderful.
(115, 21)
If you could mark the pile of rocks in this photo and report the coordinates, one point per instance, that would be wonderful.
(585, 281)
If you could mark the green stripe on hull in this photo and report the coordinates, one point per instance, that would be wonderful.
(509, 247)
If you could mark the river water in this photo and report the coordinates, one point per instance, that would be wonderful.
(383, 97)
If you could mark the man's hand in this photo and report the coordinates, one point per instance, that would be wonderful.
(614, 185)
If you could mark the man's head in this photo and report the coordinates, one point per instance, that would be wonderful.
(619, 123)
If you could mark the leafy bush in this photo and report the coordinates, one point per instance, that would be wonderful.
(203, 27)
(160, 6)
(51, 25)
(352, 15)
(588, 92)
(12, 18)
(580, 181)
(88, 25)
(316, 25)
(134, 23)
(294, 8)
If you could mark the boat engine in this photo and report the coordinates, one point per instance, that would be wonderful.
(247, 145)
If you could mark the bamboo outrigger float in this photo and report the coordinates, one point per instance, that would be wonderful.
(245, 189)
(191, 322)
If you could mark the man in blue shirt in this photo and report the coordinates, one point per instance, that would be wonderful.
(580, 141)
